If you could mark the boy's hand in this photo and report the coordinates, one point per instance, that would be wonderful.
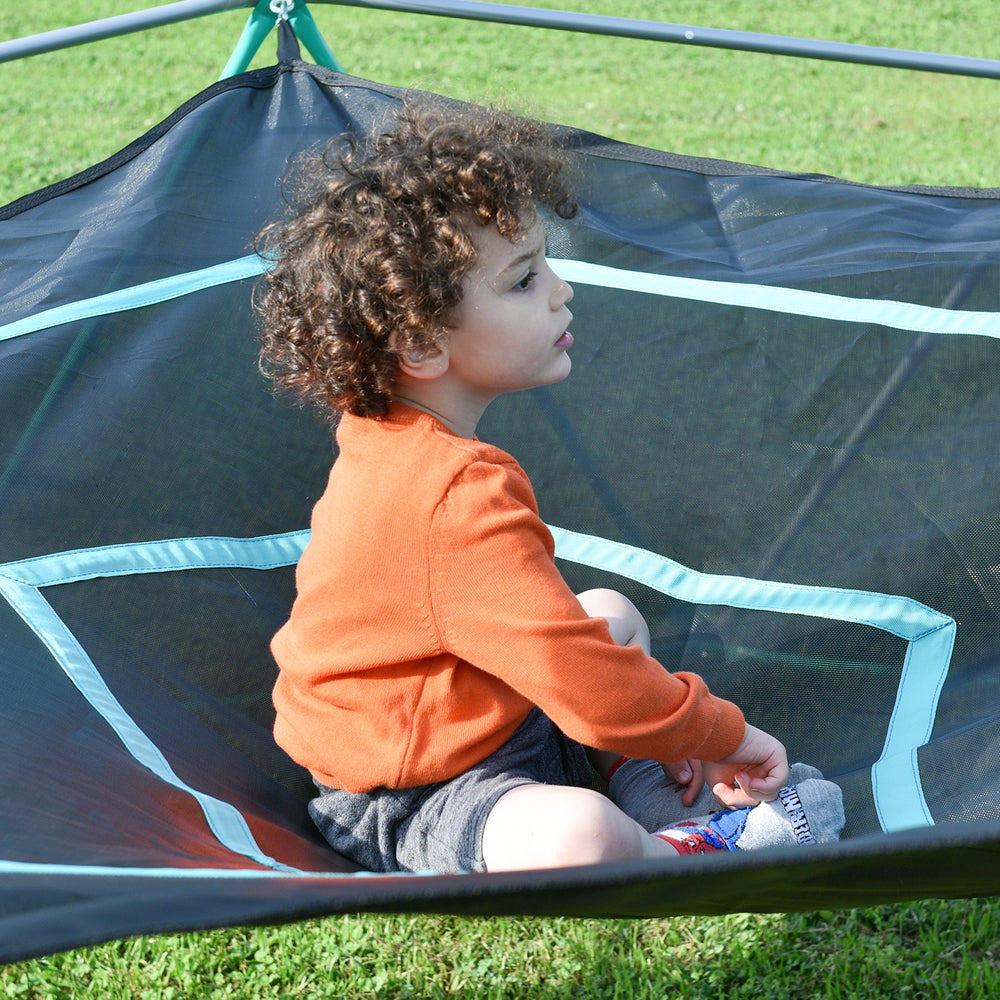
(689, 775)
(754, 773)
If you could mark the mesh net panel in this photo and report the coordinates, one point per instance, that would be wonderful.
(751, 440)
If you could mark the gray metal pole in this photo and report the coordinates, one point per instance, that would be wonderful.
(477, 10)
(688, 35)
(110, 27)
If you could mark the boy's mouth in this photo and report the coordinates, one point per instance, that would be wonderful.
(565, 341)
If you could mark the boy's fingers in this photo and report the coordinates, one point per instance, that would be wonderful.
(679, 771)
(765, 789)
(733, 797)
(689, 776)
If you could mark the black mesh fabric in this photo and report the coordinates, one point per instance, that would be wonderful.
(739, 440)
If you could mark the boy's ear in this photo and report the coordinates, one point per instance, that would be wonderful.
(429, 362)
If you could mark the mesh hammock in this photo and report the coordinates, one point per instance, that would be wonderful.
(779, 439)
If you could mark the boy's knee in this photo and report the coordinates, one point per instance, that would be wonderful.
(598, 832)
(551, 827)
(603, 601)
(627, 625)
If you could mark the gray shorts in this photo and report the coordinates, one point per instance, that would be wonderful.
(439, 827)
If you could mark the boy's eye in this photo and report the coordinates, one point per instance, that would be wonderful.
(526, 281)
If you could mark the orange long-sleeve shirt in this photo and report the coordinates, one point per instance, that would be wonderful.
(430, 618)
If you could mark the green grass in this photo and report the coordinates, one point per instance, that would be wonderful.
(899, 952)
(65, 110)
(948, 951)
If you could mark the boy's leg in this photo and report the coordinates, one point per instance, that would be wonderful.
(552, 826)
(547, 826)
(810, 810)
(643, 790)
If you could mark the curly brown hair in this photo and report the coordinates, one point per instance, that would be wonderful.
(370, 261)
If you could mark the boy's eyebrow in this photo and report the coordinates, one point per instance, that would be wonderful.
(533, 251)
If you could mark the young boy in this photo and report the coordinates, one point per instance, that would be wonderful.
(447, 691)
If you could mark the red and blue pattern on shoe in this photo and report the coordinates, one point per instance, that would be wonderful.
(718, 833)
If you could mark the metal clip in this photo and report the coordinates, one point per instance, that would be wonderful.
(282, 8)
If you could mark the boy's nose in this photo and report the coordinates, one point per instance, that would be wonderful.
(563, 295)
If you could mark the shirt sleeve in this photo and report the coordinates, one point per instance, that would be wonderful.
(501, 604)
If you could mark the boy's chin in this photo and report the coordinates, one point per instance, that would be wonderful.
(562, 373)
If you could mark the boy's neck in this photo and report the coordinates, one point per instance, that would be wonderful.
(457, 412)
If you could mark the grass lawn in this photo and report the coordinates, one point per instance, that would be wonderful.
(942, 950)
(65, 110)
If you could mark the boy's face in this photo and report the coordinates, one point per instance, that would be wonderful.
(511, 329)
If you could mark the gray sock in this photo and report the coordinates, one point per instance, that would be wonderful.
(802, 772)
(807, 812)
(641, 789)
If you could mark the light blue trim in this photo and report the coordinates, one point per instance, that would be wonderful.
(137, 296)
(896, 787)
(20, 582)
(896, 774)
(901, 616)
(225, 821)
(113, 871)
(168, 555)
(820, 305)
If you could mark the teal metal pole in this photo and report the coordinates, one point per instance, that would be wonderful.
(262, 21)
(258, 27)
(309, 34)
